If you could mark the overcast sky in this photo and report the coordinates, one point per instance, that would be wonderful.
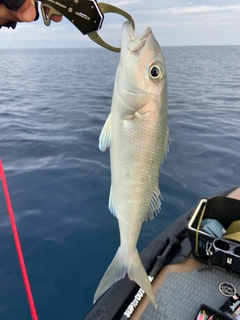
(174, 23)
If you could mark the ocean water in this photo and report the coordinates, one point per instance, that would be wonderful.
(53, 104)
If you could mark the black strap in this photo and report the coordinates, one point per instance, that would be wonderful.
(11, 24)
(37, 12)
(12, 4)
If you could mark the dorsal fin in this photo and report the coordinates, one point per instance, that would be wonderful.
(155, 204)
(166, 145)
(167, 142)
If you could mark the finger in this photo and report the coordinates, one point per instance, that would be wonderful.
(56, 18)
(26, 13)
(6, 15)
(3, 22)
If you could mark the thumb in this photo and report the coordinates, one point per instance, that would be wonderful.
(26, 12)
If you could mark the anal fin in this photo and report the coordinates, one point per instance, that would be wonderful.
(111, 204)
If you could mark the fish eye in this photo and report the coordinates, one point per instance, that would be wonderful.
(155, 72)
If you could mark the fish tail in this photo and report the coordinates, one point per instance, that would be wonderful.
(118, 269)
(137, 273)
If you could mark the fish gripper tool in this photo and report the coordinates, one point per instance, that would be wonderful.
(86, 15)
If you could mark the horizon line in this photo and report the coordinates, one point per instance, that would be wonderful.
(101, 48)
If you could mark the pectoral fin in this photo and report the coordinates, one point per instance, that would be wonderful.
(105, 136)
(167, 141)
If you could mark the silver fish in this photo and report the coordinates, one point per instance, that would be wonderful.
(137, 133)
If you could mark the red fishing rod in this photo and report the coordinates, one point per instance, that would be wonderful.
(17, 244)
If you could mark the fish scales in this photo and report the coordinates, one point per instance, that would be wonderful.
(137, 133)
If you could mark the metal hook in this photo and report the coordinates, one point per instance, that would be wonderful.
(106, 8)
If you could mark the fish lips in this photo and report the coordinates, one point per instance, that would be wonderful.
(130, 43)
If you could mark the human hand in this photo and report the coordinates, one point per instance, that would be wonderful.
(26, 13)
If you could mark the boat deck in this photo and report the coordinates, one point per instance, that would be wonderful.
(182, 287)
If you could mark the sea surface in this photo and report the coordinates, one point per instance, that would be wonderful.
(53, 104)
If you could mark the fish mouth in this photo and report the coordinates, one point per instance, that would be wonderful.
(131, 42)
(136, 44)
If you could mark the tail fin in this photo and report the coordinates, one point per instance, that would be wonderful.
(118, 269)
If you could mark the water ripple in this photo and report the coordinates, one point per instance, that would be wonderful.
(53, 104)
